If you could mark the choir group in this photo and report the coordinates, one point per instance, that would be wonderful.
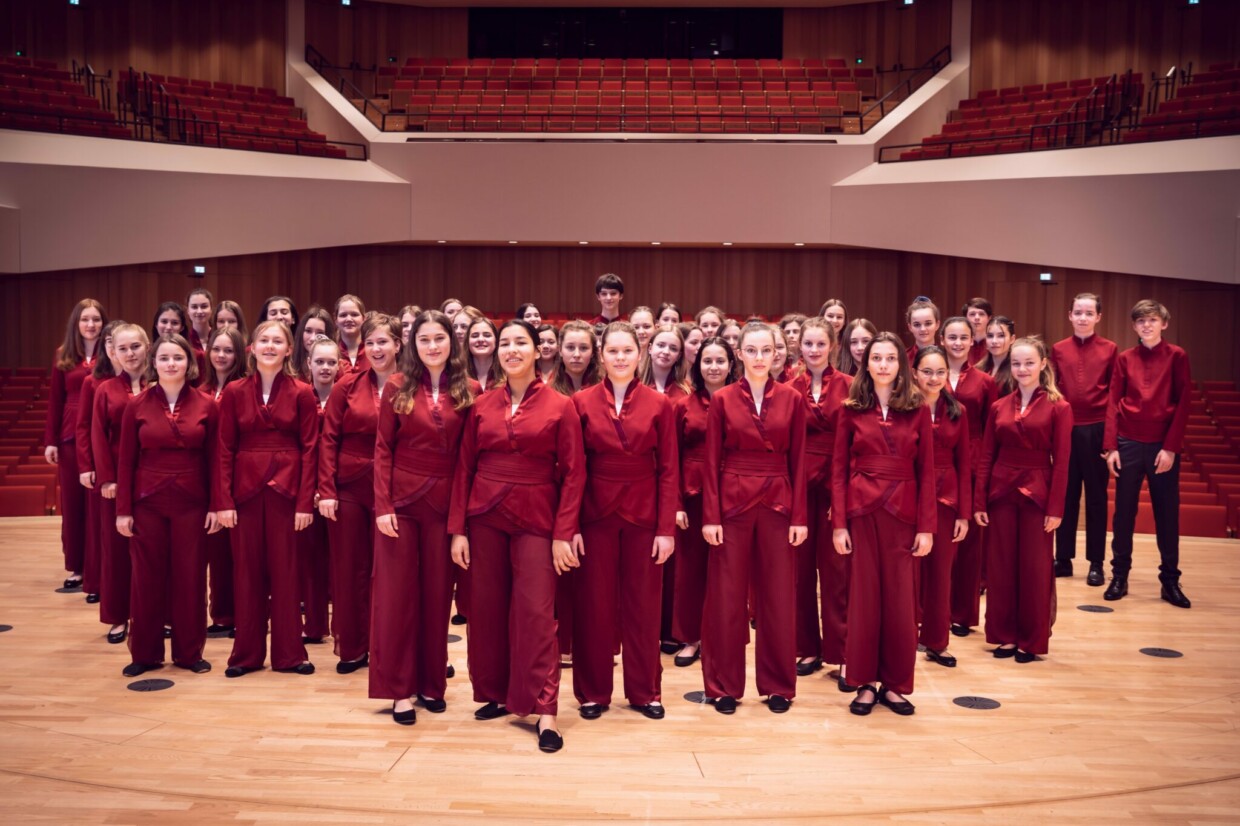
(634, 487)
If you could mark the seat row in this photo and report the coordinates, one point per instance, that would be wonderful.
(731, 124)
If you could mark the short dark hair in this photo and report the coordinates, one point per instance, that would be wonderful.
(609, 281)
(978, 302)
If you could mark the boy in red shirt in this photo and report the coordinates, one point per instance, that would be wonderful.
(609, 289)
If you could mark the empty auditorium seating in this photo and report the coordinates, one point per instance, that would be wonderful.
(1208, 106)
(36, 95)
(625, 95)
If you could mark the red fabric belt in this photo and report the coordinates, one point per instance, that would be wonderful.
(619, 467)
(271, 440)
(755, 463)
(820, 444)
(693, 454)
(171, 460)
(358, 444)
(515, 469)
(944, 457)
(895, 468)
(1023, 457)
(425, 462)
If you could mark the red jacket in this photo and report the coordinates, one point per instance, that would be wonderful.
(977, 351)
(348, 368)
(516, 461)
(1026, 452)
(632, 460)
(820, 419)
(754, 459)
(81, 432)
(1083, 370)
(162, 449)
(1149, 397)
(691, 412)
(111, 398)
(886, 464)
(266, 445)
(953, 475)
(346, 445)
(62, 405)
(977, 393)
(416, 452)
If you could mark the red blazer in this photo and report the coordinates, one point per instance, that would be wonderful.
(953, 476)
(81, 433)
(820, 420)
(671, 391)
(346, 444)
(513, 462)
(62, 405)
(691, 412)
(1026, 452)
(886, 464)
(166, 449)
(348, 368)
(266, 445)
(111, 399)
(754, 459)
(632, 458)
(416, 452)
(1083, 370)
(1150, 397)
(977, 392)
(977, 351)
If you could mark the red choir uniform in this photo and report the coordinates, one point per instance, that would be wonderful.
(1148, 412)
(60, 432)
(266, 473)
(754, 486)
(882, 491)
(953, 490)
(519, 482)
(1021, 479)
(115, 567)
(632, 495)
(818, 565)
(977, 351)
(219, 557)
(348, 368)
(601, 319)
(667, 610)
(163, 474)
(85, 461)
(1083, 370)
(415, 456)
(314, 559)
(691, 548)
(977, 392)
(346, 474)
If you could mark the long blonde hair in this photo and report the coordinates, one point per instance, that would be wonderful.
(1046, 377)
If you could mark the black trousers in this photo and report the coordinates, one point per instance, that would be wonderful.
(1137, 464)
(1088, 469)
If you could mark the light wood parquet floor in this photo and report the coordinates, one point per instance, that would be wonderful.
(1097, 732)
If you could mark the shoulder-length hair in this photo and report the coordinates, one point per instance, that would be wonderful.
(843, 355)
(262, 314)
(300, 353)
(953, 406)
(413, 369)
(214, 380)
(263, 326)
(104, 368)
(234, 308)
(1003, 373)
(73, 350)
(562, 383)
(169, 307)
(904, 394)
(174, 340)
(695, 371)
(646, 367)
(1046, 376)
(495, 375)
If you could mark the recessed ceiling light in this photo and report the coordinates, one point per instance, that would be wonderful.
(441, 242)
(512, 242)
(583, 243)
(727, 243)
(655, 243)
(799, 244)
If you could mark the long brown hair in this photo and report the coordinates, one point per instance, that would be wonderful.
(300, 354)
(904, 395)
(73, 350)
(645, 371)
(104, 368)
(563, 383)
(238, 371)
(953, 406)
(234, 308)
(843, 354)
(495, 376)
(1003, 374)
(412, 369)
(695, 372)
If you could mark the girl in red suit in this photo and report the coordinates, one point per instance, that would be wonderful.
(279, 308)
(264, 488)
(856, 337)
(416, 447)
(754, 514)
(836, 314)
(347, 486)
(823, 390)
(228, 314)
(714, 368)
(548, 352)
(642, 319)
(484, 367)
(198, 312)
(692, 336)
(131, 345)
(976, 391)
(922, 318)
(790, 325)
(225, 364)
(315, 324)
(517, 489)
(628, 524)
(1000, 333)
(105, 368)
(75, 359)
(1021, 480)
(349, 315)
(168, 437)
(322, 371)
(954, 493)
(883, 510)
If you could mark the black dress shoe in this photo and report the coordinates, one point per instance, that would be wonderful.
(200, 667)
(861, 708)
(167, 632)
(593, 711)
(491, 711)
(1025, 656)
(216, 628)
(806, 669)
(669, 647)
(92, 599)
(117, 637)
(343, 667)
(654, 711)
(138, 669)
(902, 706)
(845, 686)
(451, 671)
(685, 662)
(959, 630)
(940, 657)
(457, 619)
(404, 718)
(1171, 593)
(305, 669)
(73, 582)
(550, 741)
(1004, 653)
(234, 671)
(724, 705)
(1095, 576)
(778, 703)
(311, 640)
(433, 706)
(1118, 589)
(1063, 567)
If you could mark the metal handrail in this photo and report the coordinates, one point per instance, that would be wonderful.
(319, 62)
(929, 69)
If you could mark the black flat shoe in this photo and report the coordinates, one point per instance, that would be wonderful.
(457, 619)
(1003, 653)
(654, 711)
(200, 667)
(685, 662)
(234, 671)
(861, 708)
(433, 706)
(778, 703)
(593, 711)
(669, 647)
(216, 628)
(92, 599)
(1025, 656)
(491, 711)
(311, 640)
(1063, 567)
(941, 657)
(566, 662)
(73, 582)
(1095, 576)
(137, 669)
(343, 667)
(117, 637)
(167, 633)
(846, 687)
(806, 669)
(550, 741)
(451, 671)
(1118, 589)
(404, 718)
(724, 705)
(959, 630)
(305, 669)
(902, 706)
(1171, 593)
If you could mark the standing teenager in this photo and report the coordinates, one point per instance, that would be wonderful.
(922, 318)
(836, 314)
(349, 313)
(978, 312)
(548, 353)
(710, 319)
(609, 290)
(313, 547)
(850, 354)
(105, 368)
(279, 308)
(198, 310)
(315, 324)
(229, 314)
(1000, 333)
(484, 367)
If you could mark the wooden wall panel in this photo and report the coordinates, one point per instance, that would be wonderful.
(883, 34)
(238, 41)
(1034, 41)
(876, 283)
(369, 33)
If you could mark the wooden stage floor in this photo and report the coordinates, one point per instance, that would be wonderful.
(1097, 732)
